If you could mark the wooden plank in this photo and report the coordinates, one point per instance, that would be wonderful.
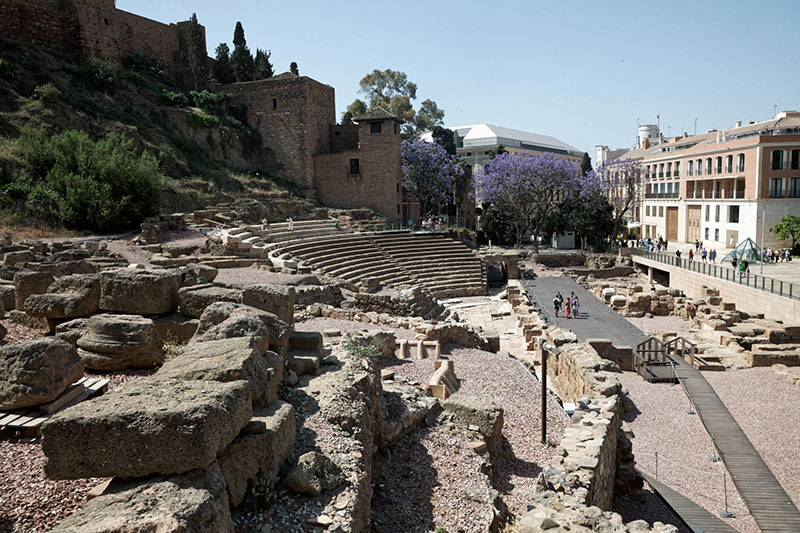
(74, 390)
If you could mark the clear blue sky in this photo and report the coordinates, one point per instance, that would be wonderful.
(582, 71)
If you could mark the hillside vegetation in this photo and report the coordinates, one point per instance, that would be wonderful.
(91, 146)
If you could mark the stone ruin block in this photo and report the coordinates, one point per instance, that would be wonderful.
(229, 360)
(147, 426)
(118, 342)
(26, 283)
(141, 292)
(278, 299)
(223, 320)
(487, 416)
(193, 300)
(37, 371)
(175, 327)
(259, 450)
(190, 502)
(71, 296)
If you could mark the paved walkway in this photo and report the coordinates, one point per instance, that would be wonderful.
(596, 320)
(769, 504)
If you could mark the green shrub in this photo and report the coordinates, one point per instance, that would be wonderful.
(100, 75)
(362, 347)
(265, 494)
(208, 100)
(47, 93)
(198, 120)
(99, 185)
(148, 66)
(175, 98)
(7, 70)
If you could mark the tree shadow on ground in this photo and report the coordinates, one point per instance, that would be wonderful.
(402, 500)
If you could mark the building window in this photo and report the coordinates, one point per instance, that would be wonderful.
(661, 210)
(708, 165)
(794, 188)
(376, 127)
(647, 210)
(354, 167)
(661, 170)
(708, 213)
(677, 169)
(716, 234)
(699, 167)
(729, 164)
(718, 165)
(733, 214)
(274, 103)
(716, 214)
(776, 188)
(669, 170)
(398, 209)
(396, 129)
(706, 237)
(795, 164)
(398, 187)
(740, 163)
(469, 154)
(106, 21)
(689, 166)
(777, 160)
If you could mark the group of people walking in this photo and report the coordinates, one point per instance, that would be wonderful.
(701, 252)
(571, 305)
(776, 256)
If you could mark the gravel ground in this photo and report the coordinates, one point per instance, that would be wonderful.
(433, 480)
(349, 326)
(18, 333)
(504, 381)
(29, 502)
(660, 425)
(248, 276)
(657, 324)
(131, 252)
(769, 420)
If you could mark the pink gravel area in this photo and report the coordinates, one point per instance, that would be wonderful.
(661, 425)
(433, 480)
(504, 381)
(18, 333)
(764, 405)
(661, 323)
(350, 326)
(249, 276)
(128, 250)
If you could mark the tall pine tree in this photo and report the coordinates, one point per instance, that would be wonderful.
(242, 62)
(222, 69)
(293, 69)
(263, 68)
(197, 52)
(586, 164)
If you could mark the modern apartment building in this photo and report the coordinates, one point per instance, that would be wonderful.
(722, 186)
(474, 143)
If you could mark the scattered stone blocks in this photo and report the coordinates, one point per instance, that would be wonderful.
(141, 292)
(73, 296)
(277, 299)
(193, 300)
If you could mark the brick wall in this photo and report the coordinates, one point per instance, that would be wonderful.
(96, 28)
(293, 115)
(51, 24)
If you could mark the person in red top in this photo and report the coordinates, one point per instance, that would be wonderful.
(567, 308)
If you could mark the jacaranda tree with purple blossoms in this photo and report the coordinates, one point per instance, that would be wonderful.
(527, 186)
(623, 181)
(428, 173)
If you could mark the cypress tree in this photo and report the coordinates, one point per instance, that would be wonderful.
(263, 68)
(242, 62)
(222, 70)
(586, 164)
(197, 52)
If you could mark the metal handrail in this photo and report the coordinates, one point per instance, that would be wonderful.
(778, 287)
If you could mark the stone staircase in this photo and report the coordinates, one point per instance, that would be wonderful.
(443, 266)
(254, 240)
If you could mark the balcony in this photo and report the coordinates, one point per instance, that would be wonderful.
(716, 195)
(661, 195)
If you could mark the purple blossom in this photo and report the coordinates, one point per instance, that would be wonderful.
(623, 181)
(428, 173)
(527, 186)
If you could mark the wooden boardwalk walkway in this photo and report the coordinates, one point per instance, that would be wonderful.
(769, 504)
(697, 518)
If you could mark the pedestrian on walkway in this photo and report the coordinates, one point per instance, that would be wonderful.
(568, 308)
(691, 254)
(713, 256)
(575, 306)
(291, 223)
(556, 305)
(704, 254)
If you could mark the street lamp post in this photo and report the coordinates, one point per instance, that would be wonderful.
(763, 227)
